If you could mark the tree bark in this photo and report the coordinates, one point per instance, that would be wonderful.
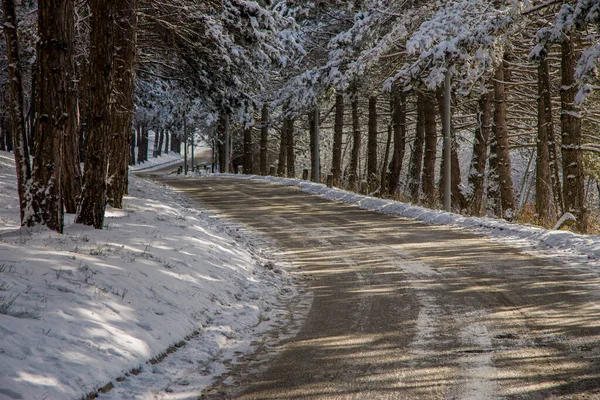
(458, 198)
(315, 162)
(572, 156)
(416, 159)
(16, 111)
(264, 141)
(291, 157)
(428, 183)
(161, 141)
(283, 150)
(93, 199)
(248, 156)
(338, 132)
(477, 171)
(543, 181)
(167, 141)
(386, 160)
(504, 170)
(56, 111)
(132, 144)
(156, 140)
(399, 127)
(356, 143)
(372, 178)
(122, 109)
(71, 171)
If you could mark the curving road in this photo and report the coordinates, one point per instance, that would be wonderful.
(403, 310)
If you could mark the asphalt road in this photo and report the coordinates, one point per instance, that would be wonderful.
(403, 310)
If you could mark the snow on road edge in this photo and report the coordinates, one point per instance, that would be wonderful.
(579, 248)
(91, 305)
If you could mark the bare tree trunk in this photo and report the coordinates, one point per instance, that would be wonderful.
(247, 163)
(221, 128)
(71, 170)
(338, 132)
(281, 162)
(477, 170)
(572, 156)
(399, 126)
(140, 141)
(122, 109)
(132, 140)
(314, 154)
(167, 141)
(428, 183)
(16, 111)
(93, 199)
(504, 170)
(372, 178)
(161, 141)
(156, 140)
(386, 160)
(291, 157)
(543, 182)
(458, 198)
(264, 141)
(55, 108)
(416, 159)
(356, 143)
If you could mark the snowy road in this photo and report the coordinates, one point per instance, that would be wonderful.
(406, 310)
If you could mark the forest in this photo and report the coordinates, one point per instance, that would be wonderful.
(346, 91)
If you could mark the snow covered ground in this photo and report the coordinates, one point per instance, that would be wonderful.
(89, 307)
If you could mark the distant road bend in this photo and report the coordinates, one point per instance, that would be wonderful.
(403, 310)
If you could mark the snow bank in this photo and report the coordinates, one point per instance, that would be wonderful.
(79, 310)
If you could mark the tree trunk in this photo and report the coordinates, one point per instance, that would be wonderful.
(264, 141)
(572, 156)
(315, 162)
(428, 183)
(93, 199)
(416, 159)
(372, 178)
(248, 150)
(56, 110)
(71, 179)
(386, 160)
(504, 170)
(338, 132)
(16, 111)
(132, 144)
(146, 142)
(161, 141)
(356, 143)
(543, 182)
(477, 170)
(458, 198)
(281, 162)
(167, 144)
(291, 157)
(399, 126)
(156, 140)
(122, 113)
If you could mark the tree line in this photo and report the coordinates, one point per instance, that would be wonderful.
(348, 88)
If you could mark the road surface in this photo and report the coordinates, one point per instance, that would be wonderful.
(403, 310)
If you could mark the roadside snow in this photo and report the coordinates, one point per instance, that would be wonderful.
(581, 249)
(164, 160)
(80, 310)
